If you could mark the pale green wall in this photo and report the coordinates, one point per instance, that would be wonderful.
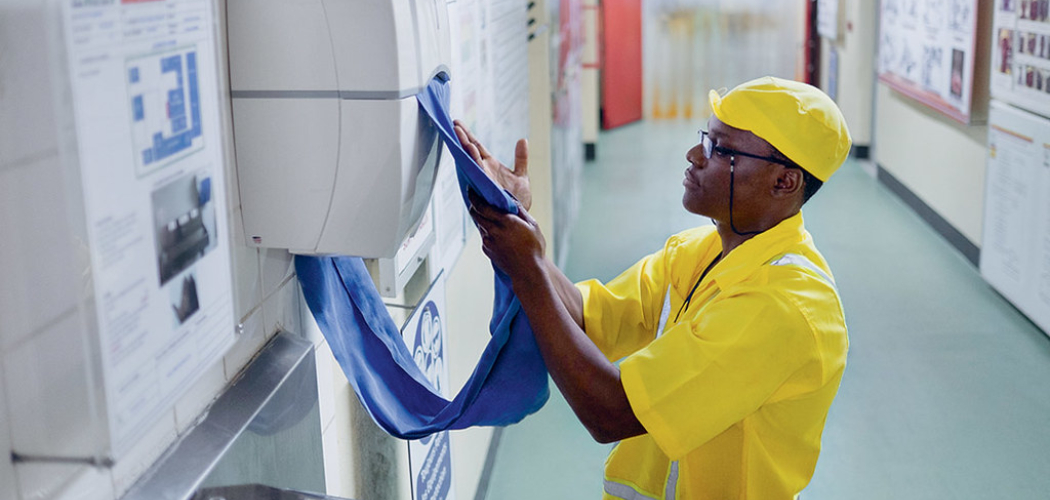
(941, 161)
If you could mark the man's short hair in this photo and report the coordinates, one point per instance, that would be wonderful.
(810, 183)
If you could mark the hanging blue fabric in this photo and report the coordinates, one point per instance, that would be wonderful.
(510, 380)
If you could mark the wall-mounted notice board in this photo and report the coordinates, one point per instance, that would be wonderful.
(1015, 254)
(1021, 54)
(927, 52)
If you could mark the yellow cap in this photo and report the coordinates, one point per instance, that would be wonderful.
(798, 119)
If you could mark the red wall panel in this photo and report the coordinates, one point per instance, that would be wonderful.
(621, 41)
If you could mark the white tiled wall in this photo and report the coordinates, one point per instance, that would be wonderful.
(41, 348)
(25, 75)
(39, 263)
(51, 363)
(8, 484)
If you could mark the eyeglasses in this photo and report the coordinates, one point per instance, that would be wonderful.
(710, 149)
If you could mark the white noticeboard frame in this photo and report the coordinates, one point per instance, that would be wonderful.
(144, 80)
(1015, 253)
(1021, 54)
(927, 51)
(425, 335)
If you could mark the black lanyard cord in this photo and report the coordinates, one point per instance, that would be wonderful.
(689, 298)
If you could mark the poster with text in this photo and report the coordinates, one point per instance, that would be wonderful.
(1021, 54)
(144, 79)
(927, 52)
(1015, 253)
(430, 458)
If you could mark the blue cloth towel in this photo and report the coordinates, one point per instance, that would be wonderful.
(510, 380)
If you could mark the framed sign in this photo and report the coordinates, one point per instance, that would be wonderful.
(1021, 54)
(927, 52)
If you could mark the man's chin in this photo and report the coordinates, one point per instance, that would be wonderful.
(693, 207)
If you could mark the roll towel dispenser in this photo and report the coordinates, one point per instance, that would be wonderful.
(334, 155)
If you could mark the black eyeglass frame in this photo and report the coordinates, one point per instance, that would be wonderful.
(709, 149)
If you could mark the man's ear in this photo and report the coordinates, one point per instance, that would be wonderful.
(789, 182)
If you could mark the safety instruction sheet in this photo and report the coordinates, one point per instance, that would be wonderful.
(145, 94)
(1015, 254)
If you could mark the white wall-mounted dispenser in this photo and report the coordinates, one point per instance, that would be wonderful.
(334, 155)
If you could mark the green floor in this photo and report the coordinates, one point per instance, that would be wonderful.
(947, 390)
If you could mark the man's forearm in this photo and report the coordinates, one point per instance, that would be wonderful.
(589, 382)
(570, 296)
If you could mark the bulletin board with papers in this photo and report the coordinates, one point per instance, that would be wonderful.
(927, 52)
(1015, 254)
(1021, 54)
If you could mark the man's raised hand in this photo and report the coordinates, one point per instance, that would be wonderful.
(516, 181)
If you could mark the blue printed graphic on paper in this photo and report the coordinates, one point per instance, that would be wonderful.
(138, 110)
(166, 111)
(435, 477)
(429, 351)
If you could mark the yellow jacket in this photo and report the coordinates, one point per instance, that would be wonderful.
(734, 394)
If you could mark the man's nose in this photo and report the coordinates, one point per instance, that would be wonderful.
(695, 155)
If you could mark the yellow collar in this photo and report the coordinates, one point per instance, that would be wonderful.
(753, 253)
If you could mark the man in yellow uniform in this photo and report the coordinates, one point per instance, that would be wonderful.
(732, 337)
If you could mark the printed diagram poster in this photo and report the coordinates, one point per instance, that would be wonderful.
(430, 458)
(1021, 55)
(926, 51)
(1015, 254)
(145, 96)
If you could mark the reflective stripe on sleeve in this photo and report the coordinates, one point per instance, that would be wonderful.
(620, 490)
(627, 492)
(793, 259)
(664, 313)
